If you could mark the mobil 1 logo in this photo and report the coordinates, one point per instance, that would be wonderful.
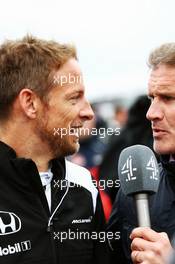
(15, 248)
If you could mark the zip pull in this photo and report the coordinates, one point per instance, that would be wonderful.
(50, 223)
(49, 227)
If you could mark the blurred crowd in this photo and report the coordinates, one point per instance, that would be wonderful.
(104, 138)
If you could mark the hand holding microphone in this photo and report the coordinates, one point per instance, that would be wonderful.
(149, 246)
(139, 177)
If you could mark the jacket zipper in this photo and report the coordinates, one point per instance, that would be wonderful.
(50, 223)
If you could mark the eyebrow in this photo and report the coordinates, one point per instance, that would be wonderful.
(161, 93)
(76, 92)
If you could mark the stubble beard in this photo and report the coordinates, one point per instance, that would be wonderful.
(59, 147)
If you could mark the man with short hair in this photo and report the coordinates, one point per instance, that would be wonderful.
(48, 206)
(152, 246)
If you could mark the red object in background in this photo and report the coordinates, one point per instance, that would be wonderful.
(106, 201)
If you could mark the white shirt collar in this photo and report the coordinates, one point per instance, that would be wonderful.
(46, 177)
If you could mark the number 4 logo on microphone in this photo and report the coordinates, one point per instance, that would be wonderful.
(151, 165)
(128, 168)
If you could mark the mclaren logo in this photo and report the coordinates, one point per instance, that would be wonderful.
(9, 223)
(82, 221)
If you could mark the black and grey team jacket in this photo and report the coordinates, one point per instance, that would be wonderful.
(30, 233)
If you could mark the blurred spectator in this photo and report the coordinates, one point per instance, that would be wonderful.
(136, 131)
(121, 115)
(102, 160)
(92, 148)
(92, 144)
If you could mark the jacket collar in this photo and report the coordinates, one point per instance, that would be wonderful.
(168, 165)
(56, 163)
(4, 148)
(28, 173)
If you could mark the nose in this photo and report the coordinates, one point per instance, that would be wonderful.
(86, 112)
(155, 111)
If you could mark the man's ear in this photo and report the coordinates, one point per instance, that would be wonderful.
(29, 102)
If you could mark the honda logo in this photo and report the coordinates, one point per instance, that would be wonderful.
(9, 223)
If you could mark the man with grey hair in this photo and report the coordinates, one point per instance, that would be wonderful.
(146, 245)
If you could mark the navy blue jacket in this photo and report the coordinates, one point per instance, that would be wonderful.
(162, 213)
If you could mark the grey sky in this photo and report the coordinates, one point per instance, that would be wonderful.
(113, 37)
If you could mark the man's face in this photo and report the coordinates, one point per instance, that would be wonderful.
(66, 111)
(161, 90)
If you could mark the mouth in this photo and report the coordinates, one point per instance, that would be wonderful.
(158, 132)
(75, 131)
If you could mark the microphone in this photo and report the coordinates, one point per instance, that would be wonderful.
(171, 258)
(139, 177)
